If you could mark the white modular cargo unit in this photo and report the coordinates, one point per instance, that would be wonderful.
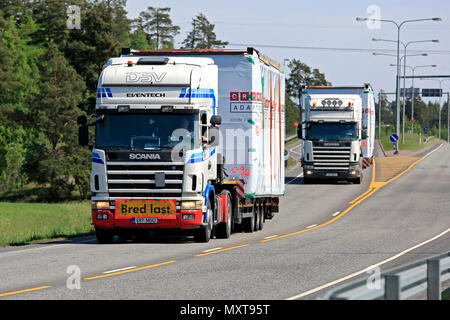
(251, 102)
(368, 120)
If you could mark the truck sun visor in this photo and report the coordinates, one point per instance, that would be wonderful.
(153, 61)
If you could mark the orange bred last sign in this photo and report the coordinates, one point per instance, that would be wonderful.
(145, 208)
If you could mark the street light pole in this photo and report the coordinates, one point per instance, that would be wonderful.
(397, 82)
(413, 69)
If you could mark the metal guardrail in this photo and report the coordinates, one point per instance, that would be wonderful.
(290, 138)
(428, 139)
(400, 283)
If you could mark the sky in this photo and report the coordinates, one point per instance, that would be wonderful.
(296, 26)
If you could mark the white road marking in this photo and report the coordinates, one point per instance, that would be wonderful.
(301, 295)
(212, 249)
(299, 176)
(297, 153)
(429, 153)
(309, 227)
(336, 213)
(122, 269)
(275, 235)
(49, 246)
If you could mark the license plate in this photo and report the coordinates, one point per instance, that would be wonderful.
(145, 220)
(331, 174)
(128, 209)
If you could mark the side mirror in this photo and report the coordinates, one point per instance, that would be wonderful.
(83, 131)
(216, 120)
(299, 133)
(364, 134)
(83, 135)
(82, 120)
(214, 136)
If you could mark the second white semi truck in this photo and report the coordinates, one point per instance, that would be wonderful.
(338, 132)
(187, 140)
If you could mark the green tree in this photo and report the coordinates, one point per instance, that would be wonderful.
(138, 40)
(157, 24)
(61, 90)
(202, 35)
(302, 74)
(89, 48)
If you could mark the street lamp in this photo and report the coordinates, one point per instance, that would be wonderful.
(404, 74)
(397, 82)
(413, 69)
(403, 57)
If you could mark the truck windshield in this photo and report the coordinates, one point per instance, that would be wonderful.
(148, 131)
(331, 131)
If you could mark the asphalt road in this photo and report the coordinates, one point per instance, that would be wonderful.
(317, 238)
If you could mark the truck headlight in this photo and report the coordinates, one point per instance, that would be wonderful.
(191, 205)
(100, 204)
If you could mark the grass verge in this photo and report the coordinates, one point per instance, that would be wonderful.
(22, 223)
(411, 142)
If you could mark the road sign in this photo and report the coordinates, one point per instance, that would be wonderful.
(393, 137)
(296, 123)
(411, 121)
(409, 92)
(431, 92)
(425, 130)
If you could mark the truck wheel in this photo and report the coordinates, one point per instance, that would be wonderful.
(257, 215)
(357, 180)
(261, 216)
(204, 234)
(104, 236)
(224, 228)
(249, 223)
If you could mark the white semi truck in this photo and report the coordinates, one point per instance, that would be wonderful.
(187, 140)
(338, 132)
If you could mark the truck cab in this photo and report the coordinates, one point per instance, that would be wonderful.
(333, 133)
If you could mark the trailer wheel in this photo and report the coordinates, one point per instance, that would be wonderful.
(224, 228)
(257, 215)
(104, 236)
(261, 216)
(249, 223)
(204, 234)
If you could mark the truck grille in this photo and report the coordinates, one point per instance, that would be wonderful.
(331, 158)
(137, 180)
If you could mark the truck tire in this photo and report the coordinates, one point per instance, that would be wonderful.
(257, 215)
(204, 234)
(224, 228)
(249, 223)
(261, 216)
(104, 236)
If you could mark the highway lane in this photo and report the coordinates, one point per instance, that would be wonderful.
(374, 230)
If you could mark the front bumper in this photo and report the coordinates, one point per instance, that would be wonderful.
(354, 171)
(175, 221)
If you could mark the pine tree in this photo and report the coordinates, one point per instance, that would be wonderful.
(301, 74)
(202, 35)
(157, 24)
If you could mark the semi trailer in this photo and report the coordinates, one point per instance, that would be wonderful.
(186, 140)
(338, 132)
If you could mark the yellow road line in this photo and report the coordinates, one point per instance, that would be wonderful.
(129, 270)
(373, 187)
(372, 181)
(23, 291)
(221, 250)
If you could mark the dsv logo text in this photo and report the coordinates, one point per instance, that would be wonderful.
(144, 77)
